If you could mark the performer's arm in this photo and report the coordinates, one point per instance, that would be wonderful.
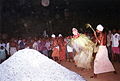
(97, 40)
(103, 39)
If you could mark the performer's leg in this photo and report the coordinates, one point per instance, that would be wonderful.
(114, 72)
(94, 76)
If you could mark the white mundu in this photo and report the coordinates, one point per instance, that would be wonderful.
(115, 40)
(69, 49)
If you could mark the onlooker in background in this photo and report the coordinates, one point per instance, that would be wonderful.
(42, 48)
(35, 44)
(2, 54)
(48, 44)
(22, 44)
(70, 52)
(13, 46)
(119, 44)
(115, 45)
(8, 49)
(55, 49)
(109, 44)
(2, 43)
(62, 46)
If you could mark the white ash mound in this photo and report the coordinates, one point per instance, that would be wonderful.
(30, 65)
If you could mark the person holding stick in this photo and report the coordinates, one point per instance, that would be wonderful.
(102, 64)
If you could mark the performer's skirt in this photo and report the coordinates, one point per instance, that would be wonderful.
(84, 59)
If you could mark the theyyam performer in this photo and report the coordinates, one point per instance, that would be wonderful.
(84, 49)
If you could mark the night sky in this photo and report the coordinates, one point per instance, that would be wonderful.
(26, 16)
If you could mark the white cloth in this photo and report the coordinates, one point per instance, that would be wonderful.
(12, 50)
(8, 47)
(69, 49)
(35, 45)
(115, 40)
(102, 63)
(100, 27)
(53, 35)
(3, 44)
(19, 41)
(47, 45)
(57, 47)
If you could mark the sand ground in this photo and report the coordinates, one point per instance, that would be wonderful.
(110, 76)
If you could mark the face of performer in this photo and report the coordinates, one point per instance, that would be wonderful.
(74, 31)
(98, 31)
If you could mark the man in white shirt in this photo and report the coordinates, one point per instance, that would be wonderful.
(115, 45)
(35, 45)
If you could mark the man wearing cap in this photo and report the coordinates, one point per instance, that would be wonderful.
(102, 63)
(55, 48)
